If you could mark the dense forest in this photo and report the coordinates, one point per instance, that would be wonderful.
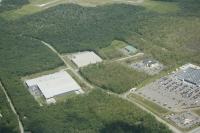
(78, 28)
(171, 38)
(8, 120)
(96, 112)
(113, 76)
(6, 5)
(73, 28)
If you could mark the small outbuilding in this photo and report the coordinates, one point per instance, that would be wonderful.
(150, 63)
(130, 48)
(51, 100)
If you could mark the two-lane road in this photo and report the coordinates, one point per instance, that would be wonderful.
(73, 70)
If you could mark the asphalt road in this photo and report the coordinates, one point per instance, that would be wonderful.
(158, 118)
(73, 70)
(124, 96)
(138, 54)
(13, 109)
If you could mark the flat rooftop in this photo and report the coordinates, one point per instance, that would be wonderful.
(191, 75)
(54, 84)
(85, 58)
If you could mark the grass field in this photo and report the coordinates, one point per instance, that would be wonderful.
(41, 100)
(79, 82)
(64, 97)
(70, 62)
(113, 51)
(197, 111)
(158, 110)
(32, 8)
(161, 7)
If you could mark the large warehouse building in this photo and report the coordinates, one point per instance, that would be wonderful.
(54, 84)
(190, 75)
(85, 58)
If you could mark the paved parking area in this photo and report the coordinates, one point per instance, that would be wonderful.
(172, 93)
(185, 120)
(150, 70)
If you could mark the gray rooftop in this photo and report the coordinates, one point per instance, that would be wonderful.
(191, 75)
(149, 61)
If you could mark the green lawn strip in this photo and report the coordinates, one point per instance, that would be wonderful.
(83, 86)
(64, 97)
(113, 51)
(134, 59)
(29, 9)
(158, 110)
(70, 62)
(44, 73)
(197, 112)
(118, 44)
(160, 6)
(41, 100)
(32, 8)
(154, 108)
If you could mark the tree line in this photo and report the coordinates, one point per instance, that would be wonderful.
(72, 28)
(7, 5)
(113, 76)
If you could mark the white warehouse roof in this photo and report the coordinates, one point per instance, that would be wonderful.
(54, 84)
(85, 58)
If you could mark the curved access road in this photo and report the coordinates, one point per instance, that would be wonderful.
(73, 70)
(175, 130)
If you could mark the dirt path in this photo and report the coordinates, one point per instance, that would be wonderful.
(13, 108)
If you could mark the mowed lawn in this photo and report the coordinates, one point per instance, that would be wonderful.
(160, 6)
(32, 8)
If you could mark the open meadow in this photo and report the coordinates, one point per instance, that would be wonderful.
(33, 7)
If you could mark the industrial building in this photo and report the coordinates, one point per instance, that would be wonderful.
(150, 63)
(55, 84)
(190, 75)
(85, 58)
(130, 48)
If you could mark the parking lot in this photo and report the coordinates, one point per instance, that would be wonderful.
(185, 120)
(172, 93)
(150, 70)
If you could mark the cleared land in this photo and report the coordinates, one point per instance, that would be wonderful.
(30, 9)
(33, 6)
(113, 51)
